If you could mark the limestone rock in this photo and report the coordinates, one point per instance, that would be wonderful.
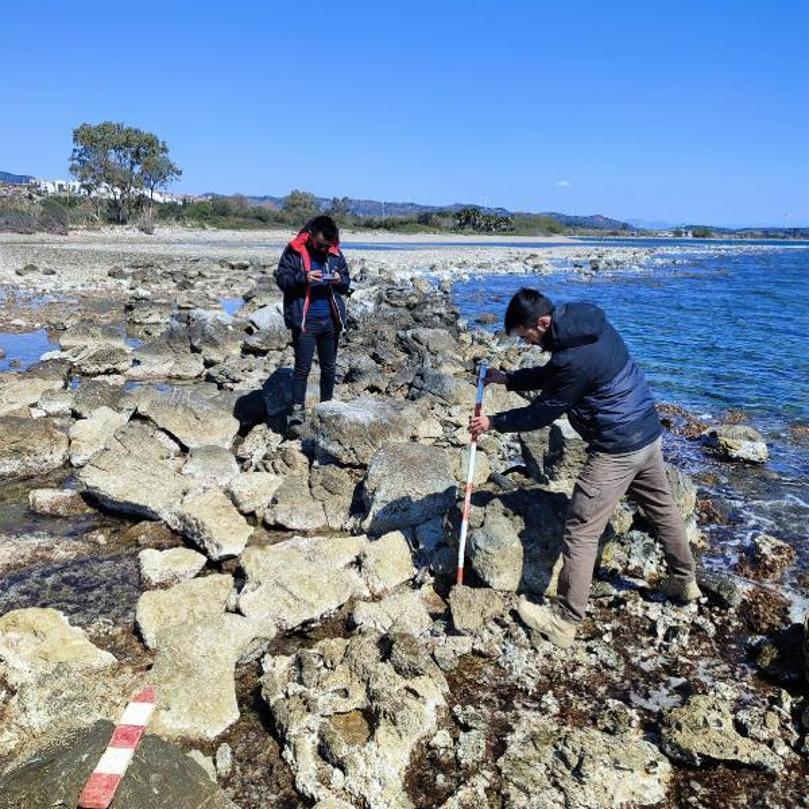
(271, 331)
(194, 675)
(57, 502)
(334, 487)
(737, 442)
(400, 612)
(197, 599)
(89, 436)
(169, 567)
(702, 730)
(193, 418)
(18, 392)
(293, 507)
(159, 775)
(300, 580)
(547, 765)
(407, 484)
(567, 453)
(139, 485)
(473, 609)
(211, 465)
(258, 449)
(30, 447)
(387, 563)
(320, 698)
(252, 491)
(59, 680)
(767, 558)
(350, 433)
(163, 359)
(211, 521)
(496, 552)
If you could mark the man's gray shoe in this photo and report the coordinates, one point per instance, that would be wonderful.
(680, 589)
(547, 622)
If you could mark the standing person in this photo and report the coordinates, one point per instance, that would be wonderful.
(313, 275)
(593, 379)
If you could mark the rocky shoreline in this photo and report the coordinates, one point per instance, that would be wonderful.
(292, 600)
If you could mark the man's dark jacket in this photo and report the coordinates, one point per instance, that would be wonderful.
(592, 378)
(291, 278)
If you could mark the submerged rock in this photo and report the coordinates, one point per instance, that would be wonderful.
(57, 502)
(767, 558)
(160, 775)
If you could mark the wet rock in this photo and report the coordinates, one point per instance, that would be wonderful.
(159, 775)
(57, 502)
(169, 567)
(726, 590)
(212, 522)
(252, 492)
(293, 507)
(349, 719)
(194, 418)
(351, 432)
(206, 762)
(737, 442)
(300, 580)
(18, 392)
(766, 559)
(765, 611)
(30, 447)
(550, 765)
(58, 679)
(473, 609)
(702, 730)
(211, 465)
(683, 490)
(407, 484)
(194, 675)
(400, 612)
(195, 600)
(90, 435)
(496, 552)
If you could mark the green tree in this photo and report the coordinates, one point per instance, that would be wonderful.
(120, 162)
(300, 206)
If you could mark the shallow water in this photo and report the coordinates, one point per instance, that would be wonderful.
(714, 330)
(24, 348)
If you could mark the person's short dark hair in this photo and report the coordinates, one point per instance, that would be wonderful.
(325, 225)
(525, 308)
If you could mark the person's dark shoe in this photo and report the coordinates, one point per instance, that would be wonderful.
(679, 589)
(296, 421)
(547, 621)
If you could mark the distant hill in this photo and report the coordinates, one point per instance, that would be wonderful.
(372, 207)
(14, 179)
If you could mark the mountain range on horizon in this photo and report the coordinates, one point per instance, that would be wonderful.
(381, 208)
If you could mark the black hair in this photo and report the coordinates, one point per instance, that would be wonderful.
(525, 308)
(325, 225)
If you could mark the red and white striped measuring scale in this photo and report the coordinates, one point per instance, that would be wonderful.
(105, 779)
(470, 473)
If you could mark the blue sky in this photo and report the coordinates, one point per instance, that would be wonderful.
(682, 112)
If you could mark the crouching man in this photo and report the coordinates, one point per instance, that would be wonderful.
(592, 379)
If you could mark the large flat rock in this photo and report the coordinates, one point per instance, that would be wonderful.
(300, 580)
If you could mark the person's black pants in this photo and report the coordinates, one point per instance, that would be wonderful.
(320, 335)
